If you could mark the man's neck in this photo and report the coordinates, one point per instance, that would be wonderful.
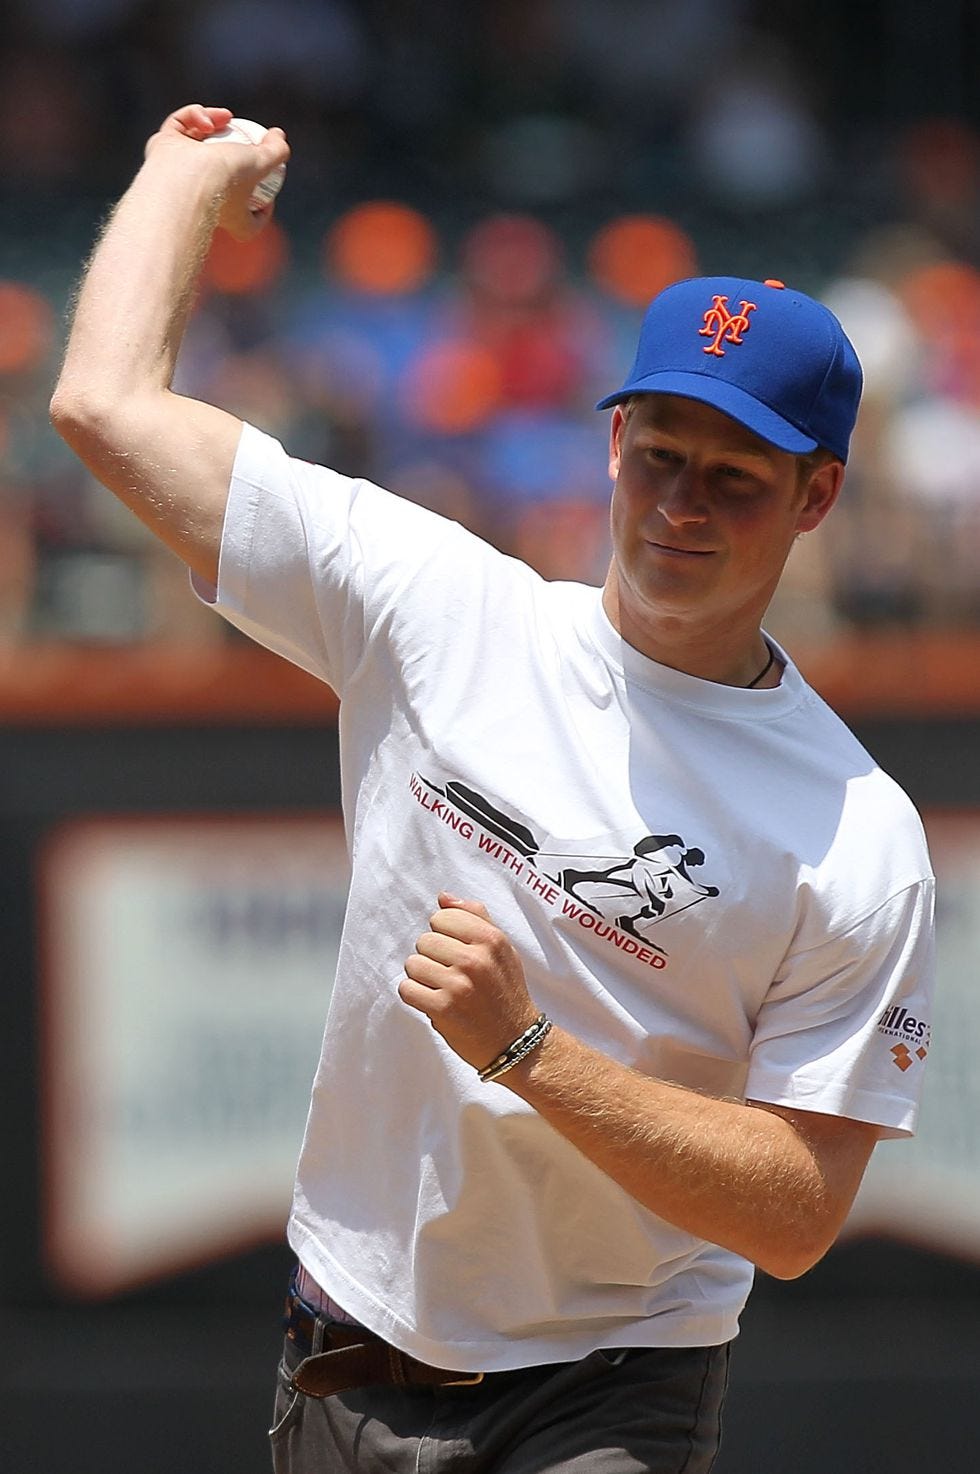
(731, 654)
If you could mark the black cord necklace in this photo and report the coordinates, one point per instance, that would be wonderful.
(765, 669)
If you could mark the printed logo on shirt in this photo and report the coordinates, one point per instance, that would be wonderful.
(618, 897)
(913, 1035)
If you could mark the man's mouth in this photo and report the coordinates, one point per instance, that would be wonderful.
(677, 552)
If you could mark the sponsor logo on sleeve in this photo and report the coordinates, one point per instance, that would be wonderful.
(911, 1035)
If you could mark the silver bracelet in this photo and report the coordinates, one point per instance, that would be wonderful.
(518, 1050)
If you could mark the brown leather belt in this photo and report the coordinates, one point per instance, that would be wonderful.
(339, 1357)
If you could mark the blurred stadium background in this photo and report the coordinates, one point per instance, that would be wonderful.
(482, 197)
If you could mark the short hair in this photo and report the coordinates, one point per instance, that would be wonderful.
(811, 462)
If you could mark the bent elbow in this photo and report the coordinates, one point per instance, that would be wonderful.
(790, 1261)
(71, 412)
(59, 411)
(88, 425)
(788, 1269)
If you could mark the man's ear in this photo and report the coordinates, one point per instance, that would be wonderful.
(821, 491)
(616, 428)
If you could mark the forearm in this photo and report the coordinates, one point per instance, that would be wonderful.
(731, 1173)
(770, 1183)
(135, 297)
(168, 458)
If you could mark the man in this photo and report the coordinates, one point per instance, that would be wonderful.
(569, 1094)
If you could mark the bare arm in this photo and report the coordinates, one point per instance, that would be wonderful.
(168, 458)
(772, 1184)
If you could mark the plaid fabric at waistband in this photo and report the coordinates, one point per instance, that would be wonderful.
(310, 1291)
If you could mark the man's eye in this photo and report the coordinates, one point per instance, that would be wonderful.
(736, 477)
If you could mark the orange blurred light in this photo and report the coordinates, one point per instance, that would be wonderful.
(451, 388)
(26, 328)
(381, 247)
(635, 257)
(944, 302)
(942, 296)
(243, 268)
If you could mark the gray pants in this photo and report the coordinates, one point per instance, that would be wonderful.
(654, 1411)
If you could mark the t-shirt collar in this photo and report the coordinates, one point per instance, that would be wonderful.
(709, 697)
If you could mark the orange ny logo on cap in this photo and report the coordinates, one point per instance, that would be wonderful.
(724, 326)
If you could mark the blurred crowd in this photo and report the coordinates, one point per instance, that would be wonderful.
(480, 203)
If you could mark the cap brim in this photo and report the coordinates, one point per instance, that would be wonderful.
(728, 398)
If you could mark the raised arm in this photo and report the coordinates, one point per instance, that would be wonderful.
(167, 457)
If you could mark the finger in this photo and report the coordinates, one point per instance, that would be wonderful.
(202, 121)
(198, 121)
(423, 999)
(467, 927)
(220, 116)
(441, 947)
(426, 972)
(275, 148)
(476, 908)
(193, 121)
(458, 906)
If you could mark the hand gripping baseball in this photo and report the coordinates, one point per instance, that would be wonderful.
(466, 976)
(236, 168)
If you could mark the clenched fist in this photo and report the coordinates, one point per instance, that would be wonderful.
(235, 170)
(466, 976)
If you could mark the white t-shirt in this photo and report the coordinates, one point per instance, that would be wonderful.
(712, 885)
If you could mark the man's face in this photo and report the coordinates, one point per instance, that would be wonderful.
(703, 516)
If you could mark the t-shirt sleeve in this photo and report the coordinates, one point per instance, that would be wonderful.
(313, 563)
(845, 1028)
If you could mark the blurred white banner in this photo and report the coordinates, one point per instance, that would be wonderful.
(187, 966)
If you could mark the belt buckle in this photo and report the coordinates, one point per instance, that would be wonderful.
(472, 1379)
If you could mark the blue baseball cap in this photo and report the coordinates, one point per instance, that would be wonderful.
(772, 358)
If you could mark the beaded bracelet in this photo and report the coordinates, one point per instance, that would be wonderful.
(518, 1050)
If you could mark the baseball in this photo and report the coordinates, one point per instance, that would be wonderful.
(243, 130)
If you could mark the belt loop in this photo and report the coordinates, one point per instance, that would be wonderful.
(396, 1366)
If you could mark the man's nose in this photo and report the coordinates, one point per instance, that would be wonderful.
(684, 499)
